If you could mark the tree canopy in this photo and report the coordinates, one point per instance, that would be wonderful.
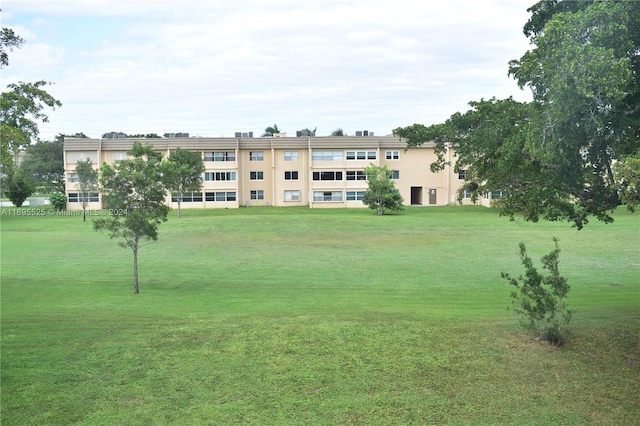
(553, 157)
(271, 130)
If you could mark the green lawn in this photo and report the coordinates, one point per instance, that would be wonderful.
(298, 316)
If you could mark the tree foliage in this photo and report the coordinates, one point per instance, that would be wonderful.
(381, 194)
(87, 183)
(21, 108)
(539, 298)
(134, 191)
(554, 157)
(271, 130)
(183, 173)
(58, 201)
(44, 162)
(628, 176)
(338, 132)
(8, 41)
(19, 187)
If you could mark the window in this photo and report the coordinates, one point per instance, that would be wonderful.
(291, 175)
(220, 156)
(72, 177)
(355, 195)
(327, 196)
(75, 197)
(219, 176)
(462, 174)
(467, 194)
(495, 195)
(395, 174)
(392, 155)
(327, 175)
(256, 175)
(291, 156)
(356, 175)
(118, 156)
(74, 157)
(257, 195)
(187, 197)
(361, 155)
(326, 156)
(220, 196)
(256, 155)
(292, 195)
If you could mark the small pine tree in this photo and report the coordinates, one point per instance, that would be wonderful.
(539, 298)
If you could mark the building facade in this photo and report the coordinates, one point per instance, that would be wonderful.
(283, 171)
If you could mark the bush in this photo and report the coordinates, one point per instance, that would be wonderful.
(540, 299)
(58, 201)
(19, 188)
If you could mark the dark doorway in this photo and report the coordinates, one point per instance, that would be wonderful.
(416, 196)
(433, 199)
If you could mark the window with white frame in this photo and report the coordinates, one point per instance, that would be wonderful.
(220, 156)
(466, 193)
(187, 197)
(291, 156)
(76, 197)
(256, 155)
(292, 195)
(220, 196)
(256, 175)
(462, 174)
(257, 195)
(220, 176)
(73, 157)
(322, 196)
(361, 155)
(327, 175)
(118, 156)
(292, 175)
(72, 178)
(326, 156)
(392, 155)
(394, 174)
(356, 175)
(355, 195)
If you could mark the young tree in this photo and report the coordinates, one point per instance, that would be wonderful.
(135, 192)
(554, 156)
(183, 173)
(18, 187)
(540, 299)
(87, 183)
(381, 194)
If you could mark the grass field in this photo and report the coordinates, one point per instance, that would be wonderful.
(316, 317)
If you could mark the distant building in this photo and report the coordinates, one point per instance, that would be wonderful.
(280, 171)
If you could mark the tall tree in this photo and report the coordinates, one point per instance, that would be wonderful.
(555, 156)
(21, 108)
(270, 131)
(381, 194)
(44, 162)
(183, 173)
(134, 192)
(87, 183)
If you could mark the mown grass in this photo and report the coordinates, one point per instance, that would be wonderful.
(298, 316)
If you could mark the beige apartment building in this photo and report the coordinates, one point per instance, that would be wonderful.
(319, 172)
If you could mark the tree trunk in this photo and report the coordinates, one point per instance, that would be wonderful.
(135, 267)
(179, 205)
(84, 214)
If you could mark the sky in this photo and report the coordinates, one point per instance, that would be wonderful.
(212, 68)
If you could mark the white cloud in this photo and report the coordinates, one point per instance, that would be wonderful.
(213, 68)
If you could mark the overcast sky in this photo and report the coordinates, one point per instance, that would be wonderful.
(213, 68)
